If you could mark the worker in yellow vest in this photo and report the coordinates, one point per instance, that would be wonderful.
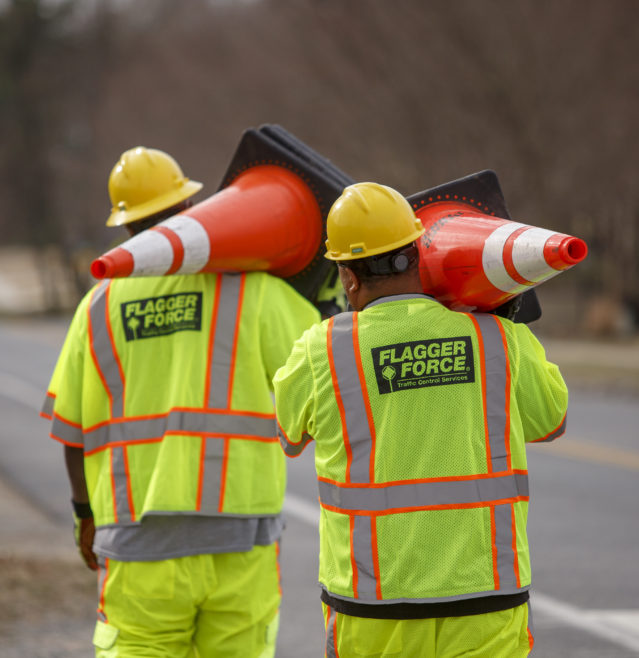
(162, 397)
(420, 417)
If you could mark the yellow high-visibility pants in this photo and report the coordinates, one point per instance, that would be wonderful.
(202, 606)
(502, 634)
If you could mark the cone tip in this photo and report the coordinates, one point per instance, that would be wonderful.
(574, 250)
(98, 268)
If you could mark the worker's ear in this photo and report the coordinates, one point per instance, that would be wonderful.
(349, 280)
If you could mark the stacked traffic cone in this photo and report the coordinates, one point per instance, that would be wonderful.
(473, 257)
(269, 214)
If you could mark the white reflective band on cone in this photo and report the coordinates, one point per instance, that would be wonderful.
(528, 254)
(493, 258)
(152, 253)
(195, 240)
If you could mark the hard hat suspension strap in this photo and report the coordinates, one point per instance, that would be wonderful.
(397, 261)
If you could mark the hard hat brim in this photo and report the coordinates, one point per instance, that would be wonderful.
(375, 251)
(143, 210)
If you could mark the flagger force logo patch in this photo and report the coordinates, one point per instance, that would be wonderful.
(420, 363)
(160, 316)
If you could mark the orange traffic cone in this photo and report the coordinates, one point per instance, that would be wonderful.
(267, 219)
(473, 259)
(270, 214)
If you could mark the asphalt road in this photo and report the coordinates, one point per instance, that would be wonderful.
(583, 521)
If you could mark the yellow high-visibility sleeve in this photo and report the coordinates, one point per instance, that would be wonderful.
(284, 316)
(540, 393)
(295, 395)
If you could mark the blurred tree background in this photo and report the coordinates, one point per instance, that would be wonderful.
(409, 93)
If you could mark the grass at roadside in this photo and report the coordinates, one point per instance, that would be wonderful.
(36, 591)
(609, 369)
(606, 381)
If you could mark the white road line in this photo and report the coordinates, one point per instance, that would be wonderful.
(613, 625)
(618, 626)
(589, 451)
(302, 509)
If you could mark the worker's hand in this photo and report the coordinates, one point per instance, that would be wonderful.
(84, 532)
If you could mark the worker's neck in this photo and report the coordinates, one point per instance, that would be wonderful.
(395, 285)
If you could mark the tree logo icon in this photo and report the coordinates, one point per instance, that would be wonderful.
(133, 324)
(389, 373)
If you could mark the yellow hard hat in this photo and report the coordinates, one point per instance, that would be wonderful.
(369, 219)
(145, 182)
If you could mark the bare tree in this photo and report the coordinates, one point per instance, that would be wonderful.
(409, 93)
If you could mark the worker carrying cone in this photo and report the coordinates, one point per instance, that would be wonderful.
(269, 215)
(162, 400)
(222, 232)
(419, 417)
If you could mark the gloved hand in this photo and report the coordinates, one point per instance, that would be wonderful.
(84, 532)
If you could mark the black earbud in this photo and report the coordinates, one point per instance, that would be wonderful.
(399, 262)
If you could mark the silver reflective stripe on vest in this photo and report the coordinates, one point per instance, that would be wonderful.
(357, 429)
(65, 432)
(293, 449)
(416, 495)
(531, 624)
(227, 319)
(331, 640)
(554, 434)
(176, 422)
(236, 424)
(103, 349)
(363, 554)
(495, 368)
(120, 480)
(506, 558)
(103, 574)
(212, 481)
(47, 406)
(361, 442)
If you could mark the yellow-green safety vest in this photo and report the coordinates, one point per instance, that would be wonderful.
(165, 383)
(420, 417)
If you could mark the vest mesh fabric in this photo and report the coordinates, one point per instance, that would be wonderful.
(432, 433)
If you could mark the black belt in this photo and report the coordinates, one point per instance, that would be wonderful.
(458, 608)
